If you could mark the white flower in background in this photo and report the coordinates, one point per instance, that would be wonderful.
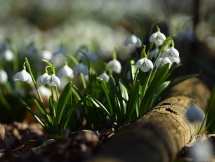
(65, 71)
(22, 76)
(114, 65)
(47, 55)
(133, 39)
(8, 55)
(154, 53)
(80, 68)
(85, 54)
(3, 76)
(194, 114)
(170, 52)
(144, 64)
(45, 92)
(202, 151)
(40, 79)
(162, 61)
(157, 38)
(104, 77)
(52, 80)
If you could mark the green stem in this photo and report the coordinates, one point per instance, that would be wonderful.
(35, 85)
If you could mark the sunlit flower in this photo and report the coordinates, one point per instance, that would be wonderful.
(23, 76)
(133, 39)
(3, 77)
(80, 68)
(40, 79)
(177, 60)
(144, 64)
(52, 80)
(157, 38)
(154, 53)
(202, 150)
(114, 65)
(194, 114)
(45, 92)
(104, 77)
(8, 55)
(65, 71)
(162, 61)
(170, 52)
(47, 55)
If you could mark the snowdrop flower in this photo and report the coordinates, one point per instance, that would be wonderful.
(162, 61)
(170, 52)
(154, 53)
(47, 55)
(202, 151)
(23, 76)
(104, 77)
(144, 64)
(157, 38)
(8, 55)
(65, 71)
(133, 39)
(114, 65)
(45, 92)
(177, 60)
(3, 77)
(52, 80)
(80, 68)
(40, 79)
(194, 114)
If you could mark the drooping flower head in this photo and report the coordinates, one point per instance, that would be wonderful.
(144, 64)
(52, 80)
(114, 65)
(133, 39)
(23, 76)
(40, 79)
(163, 61)
(80, 68)
(104, 77)
(3, 76)
(157, 37)
(65, 71)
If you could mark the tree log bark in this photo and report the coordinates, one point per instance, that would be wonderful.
(160, 134)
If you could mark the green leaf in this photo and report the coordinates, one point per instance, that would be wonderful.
(63, 101)
(133, 98)
(123, 96)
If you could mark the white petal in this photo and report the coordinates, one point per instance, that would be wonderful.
(46, 79)
(154, 53)
(3, 76)
(149, 63)
(40, 79)
(158, 42)
(55, 80)
(166, 61)
(166, 53)
(29, 80)
(161, 36)
(104, 76)
(133, 39)
(174, 52)
(158, 62)
(65, 71)
(140, 62)
(144, 68)
(153, 37)
(115, 65)
(80, 68)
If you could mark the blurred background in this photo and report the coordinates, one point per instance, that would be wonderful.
(65, 26)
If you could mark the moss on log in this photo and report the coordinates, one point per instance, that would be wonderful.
(160, 134)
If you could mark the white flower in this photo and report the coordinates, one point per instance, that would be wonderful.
(65, 71)
(8, 55)
(47, 55)
(52, 80)
(170, 52)
(157, 38)
(133, 39)
(177, 60)
(154, 53)
(104, 77)
(80, 68)
(144, 64)
(3, 77)
(40, 79)
(23, 76)
(45, 92)
(194, 114)
(114, 65)
(163, 61)
(202, 151)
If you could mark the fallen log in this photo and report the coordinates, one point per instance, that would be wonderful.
(160, 134)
